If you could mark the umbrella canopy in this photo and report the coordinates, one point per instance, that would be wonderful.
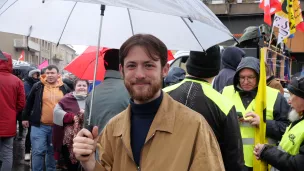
(83, 65)
(181, 25)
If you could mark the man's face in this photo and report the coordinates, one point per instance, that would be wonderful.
(51, 75)
(296, 103)
(142, 76)
(248, 79)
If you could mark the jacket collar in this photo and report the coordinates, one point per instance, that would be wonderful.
(113, 74)
(163, 121)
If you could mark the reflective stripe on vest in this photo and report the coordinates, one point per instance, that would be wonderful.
(221, 101)
(247, 130)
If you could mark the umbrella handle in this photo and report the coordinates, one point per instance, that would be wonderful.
(90, 128)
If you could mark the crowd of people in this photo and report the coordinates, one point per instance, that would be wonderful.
(148, 116)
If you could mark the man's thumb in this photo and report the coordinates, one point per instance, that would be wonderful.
(95, 132)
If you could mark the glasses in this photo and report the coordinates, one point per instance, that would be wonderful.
(249, 79)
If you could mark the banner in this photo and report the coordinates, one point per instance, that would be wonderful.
(43, 64)
(282, 24)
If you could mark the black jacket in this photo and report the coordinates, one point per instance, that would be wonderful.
(282, 160)
(274, 128)
(33, 108)
(224, 125)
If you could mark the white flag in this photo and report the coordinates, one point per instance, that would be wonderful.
(283, 25)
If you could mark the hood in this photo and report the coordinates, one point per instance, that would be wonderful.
(6, 63)
(247, 62)
(175, 75)
(232, 57)
(34, 71)
(45, 83)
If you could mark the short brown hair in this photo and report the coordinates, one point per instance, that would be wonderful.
(155, 48)
(78, 80)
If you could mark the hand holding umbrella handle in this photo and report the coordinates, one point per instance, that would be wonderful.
(90, 128)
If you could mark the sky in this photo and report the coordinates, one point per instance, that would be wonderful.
(79, 49)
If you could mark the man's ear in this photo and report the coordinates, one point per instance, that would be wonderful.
(121, 69)
(165, 70)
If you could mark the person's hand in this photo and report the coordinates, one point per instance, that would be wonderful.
(84, 146)
(25, 124)
(253, 119)
(81, 111)
(257, 150)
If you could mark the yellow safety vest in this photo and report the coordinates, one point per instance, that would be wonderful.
(292, 140)
(247, 130)
(221, 101)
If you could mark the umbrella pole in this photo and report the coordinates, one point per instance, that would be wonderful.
(102, 9)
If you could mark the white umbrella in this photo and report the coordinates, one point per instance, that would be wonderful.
(180, 24)
(76, 23)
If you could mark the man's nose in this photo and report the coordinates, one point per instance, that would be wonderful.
(139, 73)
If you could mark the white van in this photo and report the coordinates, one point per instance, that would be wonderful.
(180, 58)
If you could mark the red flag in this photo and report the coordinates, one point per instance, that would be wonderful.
(21, 58)
(300, 26)
(270, 7)
(170, 55)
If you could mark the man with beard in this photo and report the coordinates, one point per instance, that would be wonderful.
(30, 80)
(289, 155)
(154, 132)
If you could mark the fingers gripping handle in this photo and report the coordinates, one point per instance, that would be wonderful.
(90, 128)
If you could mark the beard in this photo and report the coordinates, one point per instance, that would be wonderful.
(293, 115)
(145, 93)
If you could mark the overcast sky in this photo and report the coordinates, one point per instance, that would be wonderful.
(79, 49)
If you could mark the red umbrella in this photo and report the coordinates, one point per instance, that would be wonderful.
(83, 65)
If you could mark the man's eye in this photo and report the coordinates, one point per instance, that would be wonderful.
(149, 65)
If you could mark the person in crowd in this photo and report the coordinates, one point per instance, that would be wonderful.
(111, 97)
(68, 120)
(155, 132)
(289, 155)
(30, 80)
(231, 57)
(175, 75)
(40, 105)
(12, 102)
(272, 81)
(243, 93)
(196, 92)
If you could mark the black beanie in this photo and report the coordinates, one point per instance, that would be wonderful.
(111, 59)
(204, 64)
(296, 87)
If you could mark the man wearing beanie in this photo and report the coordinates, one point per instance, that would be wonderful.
(111, 97)
(231, 58)
(289, 155)
(196, 92)
(243, 93)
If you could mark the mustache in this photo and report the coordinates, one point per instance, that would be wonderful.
(140, 82)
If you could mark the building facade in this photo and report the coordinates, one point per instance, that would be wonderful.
(37, 50)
